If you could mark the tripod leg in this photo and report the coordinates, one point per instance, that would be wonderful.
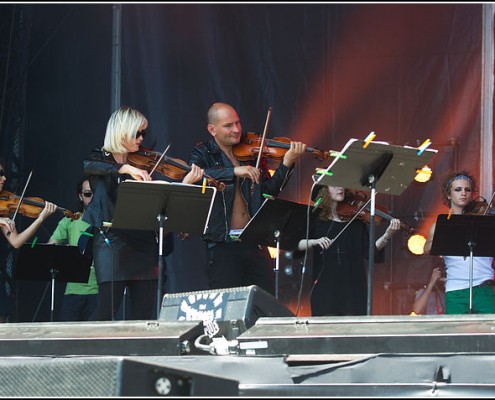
(53, 272)
(471, 261)
(277, 266)
(161, 220)
(41, 302)
(52, 304)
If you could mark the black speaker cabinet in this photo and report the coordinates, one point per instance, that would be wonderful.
(105, 377)
(241, 306)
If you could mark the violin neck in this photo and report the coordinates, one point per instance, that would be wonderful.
(389, 217)
(282, 145)
(40, 204)
(177, 164)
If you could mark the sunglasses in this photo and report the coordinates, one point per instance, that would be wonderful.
(2, 172)
(87, 194)
(141, 133)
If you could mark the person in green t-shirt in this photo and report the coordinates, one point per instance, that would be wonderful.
(79, 299)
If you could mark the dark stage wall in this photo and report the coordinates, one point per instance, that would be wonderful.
(330, 72)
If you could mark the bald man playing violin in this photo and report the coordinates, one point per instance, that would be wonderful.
(17, 239)
(232, 262)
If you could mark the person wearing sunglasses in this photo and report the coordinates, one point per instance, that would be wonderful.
(80, 299)
(122, 257)
(16, 240)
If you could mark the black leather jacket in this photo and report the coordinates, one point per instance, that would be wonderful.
(207, 155)
(102, 172)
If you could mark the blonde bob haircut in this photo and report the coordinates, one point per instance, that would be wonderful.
(122, 126)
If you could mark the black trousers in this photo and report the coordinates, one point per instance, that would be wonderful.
(143, 299)
(240, 264)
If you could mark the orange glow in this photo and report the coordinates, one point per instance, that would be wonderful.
(423, 175)
(416, 244)
(273, 252)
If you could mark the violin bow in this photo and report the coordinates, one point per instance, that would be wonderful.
(488, 205)
(262, 142)
(160, 159)
(352, 219)
(22, 196)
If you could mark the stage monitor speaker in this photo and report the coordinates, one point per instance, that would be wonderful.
(240, 305)
(105, 377)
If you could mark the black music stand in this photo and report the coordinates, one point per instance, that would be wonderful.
(464, 235)
(278, 223)
(152, 205)
(52, 263)
(378, 166)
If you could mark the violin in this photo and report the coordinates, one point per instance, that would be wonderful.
(353, 202)
(479, 206)
(174, 168)
(31, 207)
(249, 147)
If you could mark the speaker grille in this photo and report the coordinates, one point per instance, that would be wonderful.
(33, 377)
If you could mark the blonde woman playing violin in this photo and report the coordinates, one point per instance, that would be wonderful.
(122, 257)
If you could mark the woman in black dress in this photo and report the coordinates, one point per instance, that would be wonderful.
(339, 267)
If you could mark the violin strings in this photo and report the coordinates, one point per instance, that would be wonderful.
(488, 205)
(22, 196)
(160, 159)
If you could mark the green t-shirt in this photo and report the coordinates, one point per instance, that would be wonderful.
(68, 231)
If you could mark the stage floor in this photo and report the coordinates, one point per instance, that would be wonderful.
(369, 356)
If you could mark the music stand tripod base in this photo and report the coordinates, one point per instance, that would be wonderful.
(52, 263)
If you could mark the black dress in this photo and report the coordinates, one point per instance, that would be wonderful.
(340, 272)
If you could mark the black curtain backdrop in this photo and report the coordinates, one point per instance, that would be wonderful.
(330, 72)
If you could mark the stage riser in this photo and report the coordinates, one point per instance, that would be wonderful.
(372, 389)
(384, 375)
(366, 345)
(119, 338)
(423, 376)
(269, 336)
(369, 335)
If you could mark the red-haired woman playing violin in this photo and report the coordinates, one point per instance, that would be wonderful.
(339, 272)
